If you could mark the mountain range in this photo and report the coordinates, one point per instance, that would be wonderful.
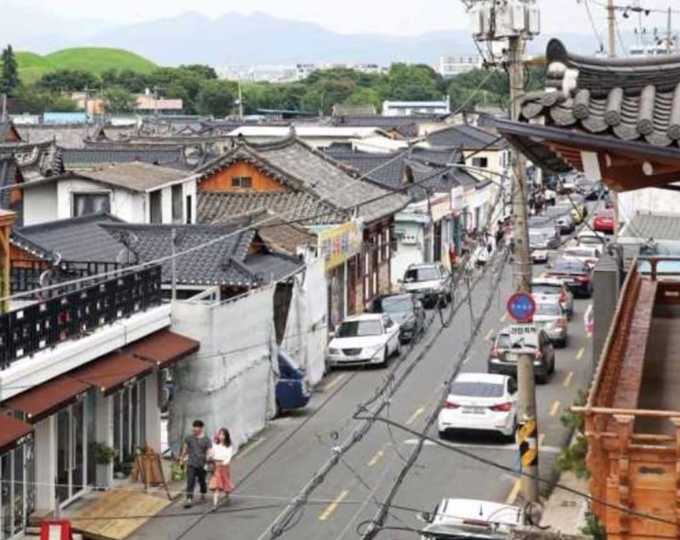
(240, 39)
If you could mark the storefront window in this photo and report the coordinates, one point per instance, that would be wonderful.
(129, 430)
(6, 471)
(18, 495)
(90, 412)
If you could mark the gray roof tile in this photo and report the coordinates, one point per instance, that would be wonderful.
(97, 156)
(465, 137)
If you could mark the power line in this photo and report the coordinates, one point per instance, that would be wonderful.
(592, 24)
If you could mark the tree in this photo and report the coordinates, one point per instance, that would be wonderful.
(204, 72)
(118, 100)
(9, 78)
(216, 98)
(35, 100)
(68, 80)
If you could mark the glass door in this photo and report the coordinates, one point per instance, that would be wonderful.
(63, 480)
(71, 452)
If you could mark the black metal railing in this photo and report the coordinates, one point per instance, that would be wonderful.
(72, 315)
(27, 275)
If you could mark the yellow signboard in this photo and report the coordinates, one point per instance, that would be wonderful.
(341, 243)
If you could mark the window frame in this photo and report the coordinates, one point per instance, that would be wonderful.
(95, 193)
(238, 182)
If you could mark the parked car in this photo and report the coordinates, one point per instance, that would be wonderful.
(589, 189)
(577, 275)
(587, 254)
(404, 309)
(551, 318)
(541, 241)
(591, 238)
(480, 402)
(292, 389)
(430, 283)
(503, 359)
(563, 218)
(557, 290)
(467, 519)
(604, 221)
(365, 339)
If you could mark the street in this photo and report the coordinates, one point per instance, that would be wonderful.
(274, 467)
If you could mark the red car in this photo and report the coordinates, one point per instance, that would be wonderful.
(604, 221)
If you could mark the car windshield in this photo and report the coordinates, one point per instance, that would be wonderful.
(547, 310)
(537, 235)
(579, 253)
(590, 240)
(569, 266)
(476, 389)
(359, 329)
(421, 274)
(545, 288)
(396, 304)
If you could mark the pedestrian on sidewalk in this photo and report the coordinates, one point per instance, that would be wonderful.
(195, 457)
(221, 454)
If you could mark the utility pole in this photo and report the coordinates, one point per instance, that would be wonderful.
(240, 100)
(611, 27)
(4, 107)
(517, 21)
(87, 111)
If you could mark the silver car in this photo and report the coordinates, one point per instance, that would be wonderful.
(551, 318)
(555, 290)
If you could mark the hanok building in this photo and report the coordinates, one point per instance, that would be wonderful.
(80, 372)
(352, 217)
(619, 121)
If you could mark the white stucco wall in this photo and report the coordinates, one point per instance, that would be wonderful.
(648, 201)
(409, 251)
(40, 204)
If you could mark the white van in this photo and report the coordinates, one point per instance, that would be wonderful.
(469, 518)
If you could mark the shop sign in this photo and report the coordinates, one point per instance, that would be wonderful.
(339, 244)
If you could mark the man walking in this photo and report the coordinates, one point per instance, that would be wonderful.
(195, 456)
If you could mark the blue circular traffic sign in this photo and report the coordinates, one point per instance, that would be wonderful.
(521, 307)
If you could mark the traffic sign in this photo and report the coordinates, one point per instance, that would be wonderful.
(521, 307)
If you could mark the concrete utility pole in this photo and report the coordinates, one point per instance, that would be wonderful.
(517, 21)
(611, 27)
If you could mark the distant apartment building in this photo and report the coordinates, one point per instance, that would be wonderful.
(293, 72)
(451, 65)
(412, 108)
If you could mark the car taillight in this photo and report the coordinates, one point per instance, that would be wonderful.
(494, 353)
(451, 405)
(538, 355)
(583, 279)
(561, 323)
(503, 407)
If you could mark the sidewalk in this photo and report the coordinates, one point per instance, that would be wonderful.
(565, 512)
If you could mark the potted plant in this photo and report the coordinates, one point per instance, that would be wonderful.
(103, 456)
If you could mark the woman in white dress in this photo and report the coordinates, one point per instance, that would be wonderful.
(221, 454)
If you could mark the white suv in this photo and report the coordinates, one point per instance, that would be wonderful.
(430, 283)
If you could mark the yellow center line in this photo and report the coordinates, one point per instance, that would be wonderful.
(555, 408)
(569, 379)
(489, 335)
(328, 512)
(512, 497)
(377, 457)
(415, 416)
(581, 352)
(504, 317)
(335, 382)
(248, 449)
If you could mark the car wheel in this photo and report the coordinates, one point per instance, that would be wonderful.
(563, 343)
(397, 350)
(442, 434)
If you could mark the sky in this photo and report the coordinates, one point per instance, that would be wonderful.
(351, 16)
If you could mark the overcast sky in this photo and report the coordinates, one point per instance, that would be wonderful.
(348, 16)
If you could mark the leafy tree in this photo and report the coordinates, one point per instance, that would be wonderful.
(9, 77)
(366, 96)
(118, 100)
(215, 98)
(204, 72)
(66, 80)
(130, 80)
(35, 100)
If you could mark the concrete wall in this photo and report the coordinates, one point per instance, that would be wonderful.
(606, 280)
(408, 252)
(648, 201)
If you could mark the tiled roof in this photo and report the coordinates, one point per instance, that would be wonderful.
(465, 137)
(656, 226)
(8, 177)
(407, 126)
(5, 129)
(66, 136)
(347, 109)
(304, 169)
(429, 168)
(298, 206)
(95, 157)
(223, 261)
(73, 240)
(629, 99)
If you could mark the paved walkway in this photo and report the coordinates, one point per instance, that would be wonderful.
(565, 512)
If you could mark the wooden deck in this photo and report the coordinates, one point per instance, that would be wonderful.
(132, 510)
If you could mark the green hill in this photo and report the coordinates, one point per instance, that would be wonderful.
(93, 59)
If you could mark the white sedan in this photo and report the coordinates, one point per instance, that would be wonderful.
(586, 254)
(365, 339)
(480, 402)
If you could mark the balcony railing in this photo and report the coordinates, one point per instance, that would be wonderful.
(75, 314)
(28, 275)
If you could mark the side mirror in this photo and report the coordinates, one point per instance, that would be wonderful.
(425, 517)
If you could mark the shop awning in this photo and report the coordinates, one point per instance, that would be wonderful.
(163, 348)
(113, 372)
(46, 399)
(13, 432)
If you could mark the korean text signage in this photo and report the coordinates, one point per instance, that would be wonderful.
(341, 243)
(521, 307)
(523, 338)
